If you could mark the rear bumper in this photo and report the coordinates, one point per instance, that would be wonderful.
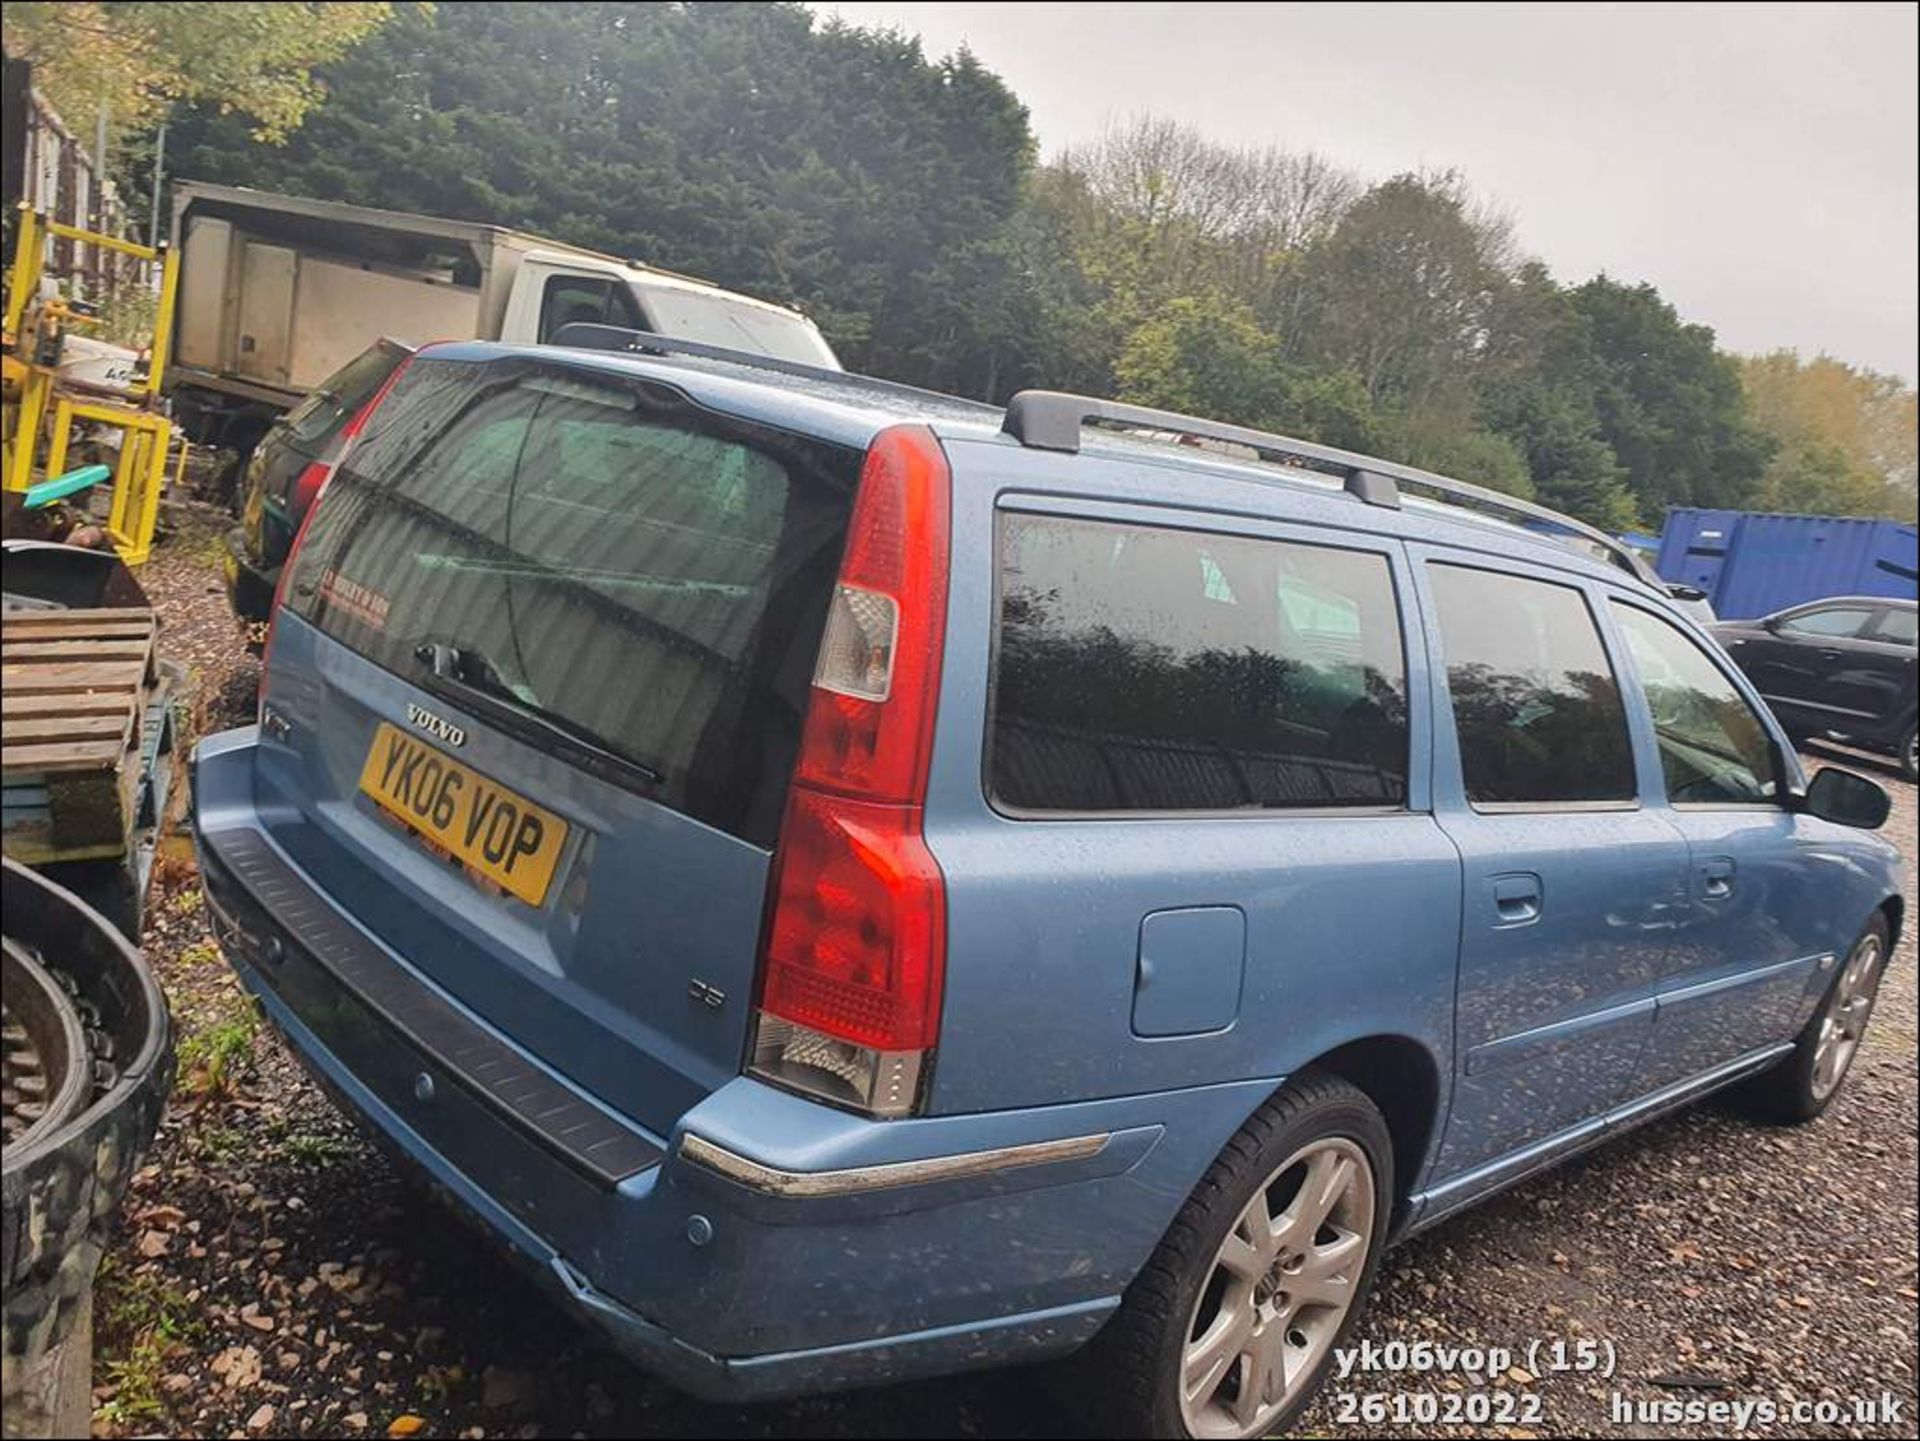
(249, 587)
(769, 1245)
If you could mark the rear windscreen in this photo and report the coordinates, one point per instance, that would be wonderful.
(601, 553)
(335, 401)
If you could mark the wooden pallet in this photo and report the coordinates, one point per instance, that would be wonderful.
(76, 689)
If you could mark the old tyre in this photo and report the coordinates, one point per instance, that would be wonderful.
(1809, 1076)
(1232, 1324)
(65, 1169)
(48, 1070)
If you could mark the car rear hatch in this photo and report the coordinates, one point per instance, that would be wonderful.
(281, 478)
(534, 700)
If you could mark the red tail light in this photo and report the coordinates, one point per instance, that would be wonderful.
(306, 496)
(306, 488)
(280, 594)
(856, 940)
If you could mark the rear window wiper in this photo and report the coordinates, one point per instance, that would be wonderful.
(465, 675)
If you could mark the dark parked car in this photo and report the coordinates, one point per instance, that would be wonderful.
(287, 469)
(1840, 668)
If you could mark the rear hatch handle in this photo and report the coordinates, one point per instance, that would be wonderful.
(466, 677)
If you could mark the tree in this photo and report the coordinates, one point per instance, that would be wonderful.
(1847, 436)
(1202, 355)
(1403, 292)
(825, 166)
(1668, 403)
(1464, 453)
(895, 197)
(1811, 477)
(1557, 435)
(1207, 214)
(137, 58)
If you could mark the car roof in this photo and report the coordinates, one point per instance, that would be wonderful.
(851, 409)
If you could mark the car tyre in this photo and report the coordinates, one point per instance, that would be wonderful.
(1807, 1078)
(1229, 1329)
(1909, 754)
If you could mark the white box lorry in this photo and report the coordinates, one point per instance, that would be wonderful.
(277, 292)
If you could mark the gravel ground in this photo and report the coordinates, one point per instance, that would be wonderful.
(275, 1276)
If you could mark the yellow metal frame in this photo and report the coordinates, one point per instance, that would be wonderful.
(139, 477)
(141, 474)
(26, 267)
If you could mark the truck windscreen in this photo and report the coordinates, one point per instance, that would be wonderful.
(717, 320)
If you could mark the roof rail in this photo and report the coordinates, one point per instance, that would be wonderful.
(1052, 420)
(585, 335)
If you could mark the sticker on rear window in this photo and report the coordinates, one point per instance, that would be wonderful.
(359, 602)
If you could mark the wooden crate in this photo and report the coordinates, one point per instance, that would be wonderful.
(75, 692)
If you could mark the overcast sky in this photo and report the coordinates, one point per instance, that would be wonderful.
(1755, 162)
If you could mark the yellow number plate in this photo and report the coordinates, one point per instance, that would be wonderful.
(503, 836)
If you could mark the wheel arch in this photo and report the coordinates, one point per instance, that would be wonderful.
(1402, 1077)
(1894, 908)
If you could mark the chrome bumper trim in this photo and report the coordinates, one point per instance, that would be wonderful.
(801, 1184)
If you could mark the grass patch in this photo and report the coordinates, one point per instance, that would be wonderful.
(201, 953)
(136, 1384)
(218, 1052)
(318, 1149)
(212, 552)
(144, 1319)
(218, 1143)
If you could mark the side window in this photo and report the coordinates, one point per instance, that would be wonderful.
(1835, 622)
(1713, 748)
(1898, 626)
(585, 299)
(1535, 702)
(1146, 669)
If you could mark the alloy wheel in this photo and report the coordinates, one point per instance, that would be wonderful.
(1281, 1284)
(1846, 1019)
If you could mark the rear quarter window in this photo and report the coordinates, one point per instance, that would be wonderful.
(606, 553)
(1898, 626)
(1147, 669)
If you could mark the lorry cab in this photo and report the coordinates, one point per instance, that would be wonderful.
(556, 288)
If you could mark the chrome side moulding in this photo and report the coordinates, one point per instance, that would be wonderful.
(856, 1179)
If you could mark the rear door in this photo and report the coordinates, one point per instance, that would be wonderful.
(1885, 669)
(542, 687)
(1570, 882)
(1806, 664)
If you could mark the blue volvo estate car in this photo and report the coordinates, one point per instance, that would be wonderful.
(848, 884)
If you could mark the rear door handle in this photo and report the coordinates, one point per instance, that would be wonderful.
(1516, 898)
(1716, 878)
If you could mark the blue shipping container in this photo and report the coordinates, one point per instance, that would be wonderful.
(1752, 564)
